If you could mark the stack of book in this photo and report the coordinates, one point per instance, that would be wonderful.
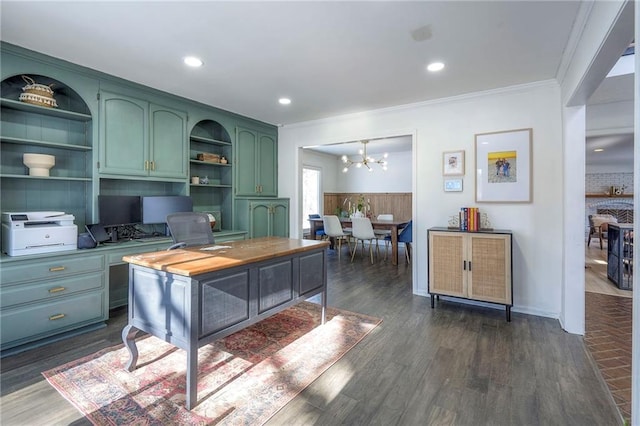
(469, 219)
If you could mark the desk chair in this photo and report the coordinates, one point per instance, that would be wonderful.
(404, 236)
(320, 231)
(363, 231)
(190, 229)
(333, 229)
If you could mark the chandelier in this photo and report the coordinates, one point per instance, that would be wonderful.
(365, 161)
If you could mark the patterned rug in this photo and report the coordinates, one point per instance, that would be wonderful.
(243, 379)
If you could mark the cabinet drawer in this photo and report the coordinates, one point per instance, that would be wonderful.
(50, 289)
(45, 319)
(49, 268)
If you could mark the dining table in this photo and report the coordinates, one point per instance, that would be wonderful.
(393, 225)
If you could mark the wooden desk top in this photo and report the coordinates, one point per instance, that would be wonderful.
(197, 260)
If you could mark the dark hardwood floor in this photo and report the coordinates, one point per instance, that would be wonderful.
(456, 364)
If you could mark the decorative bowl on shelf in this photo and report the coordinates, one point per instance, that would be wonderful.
(38, 164)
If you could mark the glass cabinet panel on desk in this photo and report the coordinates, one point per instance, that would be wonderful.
(620, 255)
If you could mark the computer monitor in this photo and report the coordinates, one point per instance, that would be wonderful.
(119, 210)
(156, 209)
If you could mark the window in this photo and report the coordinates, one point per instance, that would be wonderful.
(311, 204)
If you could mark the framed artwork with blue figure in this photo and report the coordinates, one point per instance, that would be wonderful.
(503, 166)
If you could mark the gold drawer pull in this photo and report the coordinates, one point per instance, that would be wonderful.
(56, 317)
(57, 268)
(57, 289)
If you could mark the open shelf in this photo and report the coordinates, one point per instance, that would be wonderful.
(78, 179)
(608, 196)
(209, 140)
(20, 141)
(53, 112)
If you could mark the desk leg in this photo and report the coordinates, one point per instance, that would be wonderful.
(128, 338)
(192, 378)
(394, 245)
(324, 306)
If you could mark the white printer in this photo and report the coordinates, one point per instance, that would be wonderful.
(38, 232)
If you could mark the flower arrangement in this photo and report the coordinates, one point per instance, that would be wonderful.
(361, 207)
(361, 203)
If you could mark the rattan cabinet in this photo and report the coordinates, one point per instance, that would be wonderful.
(471, 265)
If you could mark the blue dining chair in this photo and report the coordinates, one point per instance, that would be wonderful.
(404, 236)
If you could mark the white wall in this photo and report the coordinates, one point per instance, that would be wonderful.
(396, 179)
(447, 125)
(602, 31)
(635, 343)
(329, 167)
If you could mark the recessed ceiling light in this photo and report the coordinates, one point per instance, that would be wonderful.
(435, 66)
(598, 150)
(192, 61)
(284, 101)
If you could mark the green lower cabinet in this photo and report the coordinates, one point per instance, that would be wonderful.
(43, 296)
(263, 217)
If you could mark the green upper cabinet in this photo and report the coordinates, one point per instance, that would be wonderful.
(169, 145)
(124, 135)
(138, 138)
(256, 159)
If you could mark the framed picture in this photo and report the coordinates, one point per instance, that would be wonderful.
(453, 163)
(453, 185)
(503, 166)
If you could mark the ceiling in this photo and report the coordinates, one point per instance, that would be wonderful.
(328, 57)
(618, 148)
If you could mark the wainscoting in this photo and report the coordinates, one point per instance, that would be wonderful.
(396, 203)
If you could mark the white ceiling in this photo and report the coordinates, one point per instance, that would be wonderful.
(329, 57)
(618, 148)
(374, 146)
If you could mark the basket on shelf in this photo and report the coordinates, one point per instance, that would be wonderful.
(209, 157)
(37, 94)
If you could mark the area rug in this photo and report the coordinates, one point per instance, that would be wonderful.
(243, 379)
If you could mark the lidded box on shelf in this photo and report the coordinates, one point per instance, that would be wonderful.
(208, 157)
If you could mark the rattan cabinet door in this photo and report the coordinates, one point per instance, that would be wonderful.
(489, 271)
(447, 275)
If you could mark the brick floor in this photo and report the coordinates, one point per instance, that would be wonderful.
(608, 338)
